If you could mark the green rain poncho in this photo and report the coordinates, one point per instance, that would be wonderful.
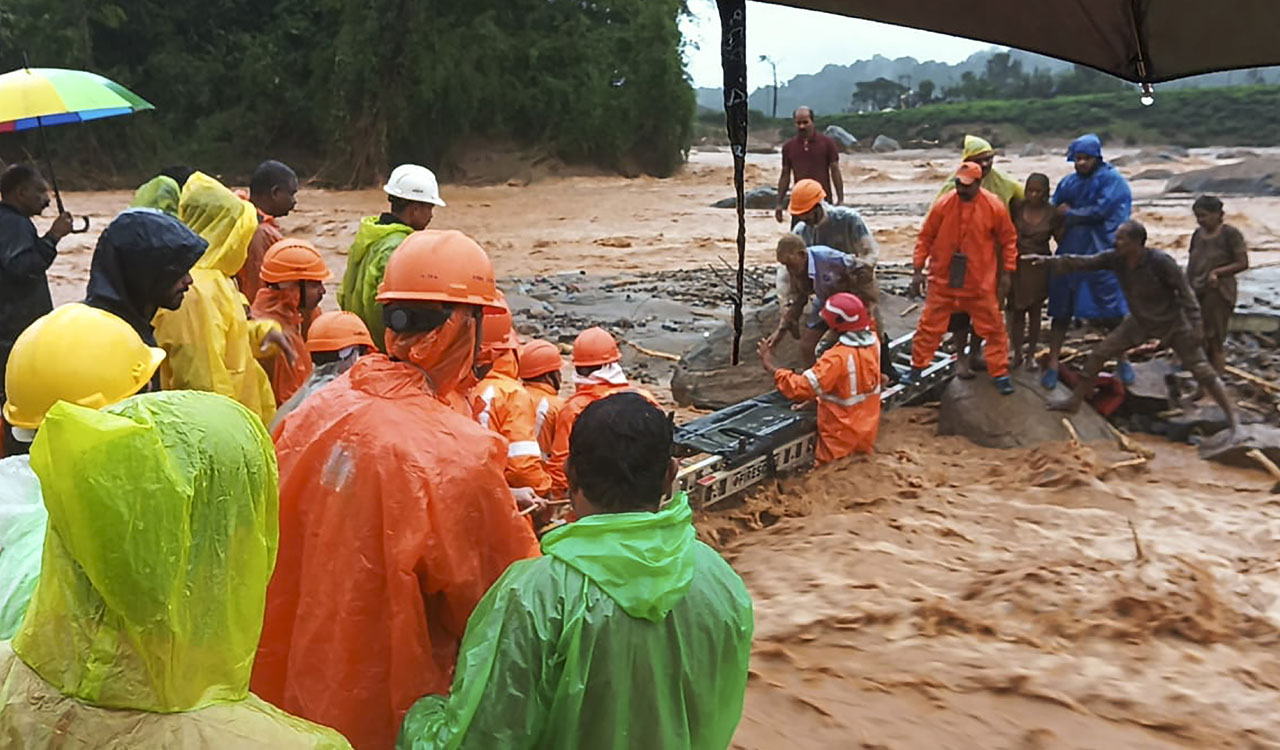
(366, 264)
(628, 633)
(161, 193)
(1006, 188)
(163, 518)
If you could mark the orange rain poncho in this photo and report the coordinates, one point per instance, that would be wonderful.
(249, 277)
(547, 405)
(982, 231)
(395, 517)
(211, 344)
(846, 382)
(281, 305)
(502, 405)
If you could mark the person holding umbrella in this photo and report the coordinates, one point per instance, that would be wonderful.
(25, 255)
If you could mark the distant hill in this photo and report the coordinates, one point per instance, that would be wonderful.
(828, 91)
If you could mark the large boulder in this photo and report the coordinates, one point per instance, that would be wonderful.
(704, 378)
(841, 136)
(1264, 438)
(1032, 149)
(1236, 153)
(883, 144)
(1154, 174)
(1259, 176)
(974, 409)
(761, 197)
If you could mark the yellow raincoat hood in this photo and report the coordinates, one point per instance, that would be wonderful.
(163, 519)
(1006, 188)
(975, 146)
(222, 218)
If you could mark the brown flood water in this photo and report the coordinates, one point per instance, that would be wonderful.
(937, 594)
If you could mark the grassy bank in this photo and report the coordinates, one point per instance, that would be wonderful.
(1236, 116)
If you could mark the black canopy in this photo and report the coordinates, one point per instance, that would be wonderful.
(1144, 41)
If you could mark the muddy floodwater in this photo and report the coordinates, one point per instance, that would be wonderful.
(937, 594)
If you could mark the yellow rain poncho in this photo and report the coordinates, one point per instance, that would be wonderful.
(163, 519)
(161, 193)
(1005, 187)
(210, 341)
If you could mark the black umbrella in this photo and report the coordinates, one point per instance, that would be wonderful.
(1144, 41)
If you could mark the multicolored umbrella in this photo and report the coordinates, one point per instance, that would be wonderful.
(39, 97)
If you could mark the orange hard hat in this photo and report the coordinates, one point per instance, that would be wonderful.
(805, 195)
(335, 331)
(439, 266)
(293, 260)
(845, 312)
(539, 357)
(498, 331)
(968, 173)
(595, 347)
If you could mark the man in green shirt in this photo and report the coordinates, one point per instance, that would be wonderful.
(627, 633)
(414, 195)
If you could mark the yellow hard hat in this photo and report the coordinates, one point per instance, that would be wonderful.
(78, 354)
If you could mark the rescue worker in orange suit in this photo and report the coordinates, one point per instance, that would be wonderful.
(966, 235)
(597, 365)
(540, 365)
(502, 405)
(845, 380)
(293, 275)
(395, 516)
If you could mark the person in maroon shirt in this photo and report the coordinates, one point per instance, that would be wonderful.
(809, 156)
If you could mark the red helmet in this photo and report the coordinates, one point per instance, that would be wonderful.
(844, 312)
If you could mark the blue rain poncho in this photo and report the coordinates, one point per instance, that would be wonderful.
(627, 633)
(1100, 203)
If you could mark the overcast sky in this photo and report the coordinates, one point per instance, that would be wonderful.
(803, 41)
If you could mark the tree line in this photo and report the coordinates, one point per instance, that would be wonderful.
(1002, 78)
(352, 87)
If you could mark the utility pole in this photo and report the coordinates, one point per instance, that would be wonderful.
(774, 66)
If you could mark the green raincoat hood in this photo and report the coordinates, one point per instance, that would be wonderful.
(643, 561)
(163, 519)
(371, 232)
(366, 263)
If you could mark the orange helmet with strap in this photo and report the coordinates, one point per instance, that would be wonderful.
(595, 347)
(293, 260)
(439, 266)
(335, 331)
(805, 195)
(538, 358)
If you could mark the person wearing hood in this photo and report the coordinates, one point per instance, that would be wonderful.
(1093, 202)
(501, 404)
(142, 264)
(414, 195)
(164, 191)
(540, 366)
(211, 343)
(627, 633)
(273, 191)
(395, 512)
(143, 625)
(41, 374)
(845, 381)
(335, 341)
(980, 152)
(293, 275)
(598, 374)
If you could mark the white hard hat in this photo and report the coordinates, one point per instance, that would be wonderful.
(414, 183)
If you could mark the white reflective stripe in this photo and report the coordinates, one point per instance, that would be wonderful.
(840, 313)
(540, 415)
(484, 416)
(522, 448)
(853, 400)
(813, 381)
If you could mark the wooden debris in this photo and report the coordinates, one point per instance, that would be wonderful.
(1129, 444)
(1071, 430)
(910, 309)
(1269, 465)
(653, 352)
(1137, 543)
(1250, 377)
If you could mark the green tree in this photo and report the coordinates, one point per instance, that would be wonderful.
(878, 94)
(926, 90)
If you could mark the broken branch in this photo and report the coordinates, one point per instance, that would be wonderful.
(652, 352)
(1246, 375)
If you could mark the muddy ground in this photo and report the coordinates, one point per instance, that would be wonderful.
(936, 594)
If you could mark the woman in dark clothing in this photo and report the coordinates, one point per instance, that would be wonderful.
(1217, 254)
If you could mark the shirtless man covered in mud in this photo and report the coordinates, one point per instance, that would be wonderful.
(1161, 306)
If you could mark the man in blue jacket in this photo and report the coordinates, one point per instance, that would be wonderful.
(1093, 202)
(627, 633)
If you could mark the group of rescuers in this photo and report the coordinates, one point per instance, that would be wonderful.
(983, 264)
(210, 486)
